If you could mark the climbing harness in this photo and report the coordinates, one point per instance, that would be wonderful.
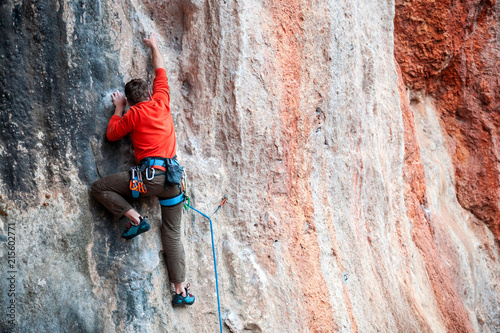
(173, 201)
(173, 172)
(224, 199)
(182, 197)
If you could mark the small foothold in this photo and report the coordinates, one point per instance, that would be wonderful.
(344, 277)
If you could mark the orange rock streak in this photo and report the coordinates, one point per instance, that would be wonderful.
(451, 306)
(295, 127)
(451, 50)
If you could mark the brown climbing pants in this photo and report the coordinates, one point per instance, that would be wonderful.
(110, 191)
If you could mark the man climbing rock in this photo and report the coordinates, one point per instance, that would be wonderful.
(149, 122)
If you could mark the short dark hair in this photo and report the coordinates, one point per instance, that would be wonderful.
(136, 91)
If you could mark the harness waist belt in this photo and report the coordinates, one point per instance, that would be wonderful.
(157, 162)
(149, 162)
(172, 201)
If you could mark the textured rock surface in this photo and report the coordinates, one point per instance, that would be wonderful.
(343, 211)
(450, 50)
(449, 55)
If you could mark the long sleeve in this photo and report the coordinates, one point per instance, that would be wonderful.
(160, 87)
(118, 126)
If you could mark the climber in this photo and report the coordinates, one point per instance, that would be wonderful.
(149, 122)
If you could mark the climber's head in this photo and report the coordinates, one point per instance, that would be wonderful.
(136, 91)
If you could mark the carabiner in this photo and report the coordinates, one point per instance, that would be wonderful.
(153, 171)
(134, 185)
(142, 188)
(187, 203)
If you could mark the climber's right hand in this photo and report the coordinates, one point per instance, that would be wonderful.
(119, 101)
(152, 41)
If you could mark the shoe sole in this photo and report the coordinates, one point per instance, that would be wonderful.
(181, 304)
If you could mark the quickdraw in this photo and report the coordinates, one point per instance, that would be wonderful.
(137, 186)
(142, 186)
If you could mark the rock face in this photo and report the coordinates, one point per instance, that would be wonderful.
(351, 207)
(450, 50)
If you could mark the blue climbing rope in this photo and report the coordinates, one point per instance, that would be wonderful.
(187, 206)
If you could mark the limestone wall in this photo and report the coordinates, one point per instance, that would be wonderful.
(342, 213)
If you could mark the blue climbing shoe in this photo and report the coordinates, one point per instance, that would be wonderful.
(135, 230)
(181, 300)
